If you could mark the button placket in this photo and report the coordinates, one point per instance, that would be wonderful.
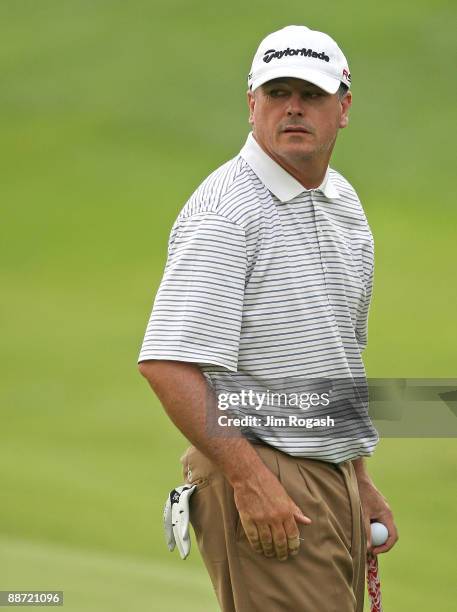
(318, 235)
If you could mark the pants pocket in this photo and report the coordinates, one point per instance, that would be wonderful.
(196, 468)
(209, 510)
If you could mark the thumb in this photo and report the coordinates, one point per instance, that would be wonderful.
(300, 517)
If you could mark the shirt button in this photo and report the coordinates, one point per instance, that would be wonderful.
(324, 267)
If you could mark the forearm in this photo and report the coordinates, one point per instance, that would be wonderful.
(185, 395)
(361, 471)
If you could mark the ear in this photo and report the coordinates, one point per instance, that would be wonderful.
(251, 104)
(346, 103)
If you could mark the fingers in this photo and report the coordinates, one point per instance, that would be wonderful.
(252, 534)
(266, 540)
(292, 535)
(300, 517)
(278, 540)
(285, 540)
(286, 537)
(391, 540)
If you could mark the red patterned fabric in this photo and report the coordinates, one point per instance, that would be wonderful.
(374, 586)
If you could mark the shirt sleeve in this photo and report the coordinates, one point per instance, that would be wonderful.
(198, 308)
(362, 317)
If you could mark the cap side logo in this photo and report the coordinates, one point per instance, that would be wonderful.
(347, 74)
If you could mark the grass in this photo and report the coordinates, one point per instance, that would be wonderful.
(111, 114)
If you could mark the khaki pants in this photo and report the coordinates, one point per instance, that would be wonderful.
(327, 575)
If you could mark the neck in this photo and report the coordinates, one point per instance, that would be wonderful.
(308, 170)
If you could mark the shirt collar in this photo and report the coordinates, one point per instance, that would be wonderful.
(282, 184)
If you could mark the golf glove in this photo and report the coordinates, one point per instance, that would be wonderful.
(176, 519)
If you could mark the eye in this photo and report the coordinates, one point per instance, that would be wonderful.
(314, 95)
(277, 92)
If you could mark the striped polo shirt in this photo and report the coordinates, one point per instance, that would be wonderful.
(267, 285)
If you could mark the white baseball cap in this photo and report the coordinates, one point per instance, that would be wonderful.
(298, 51)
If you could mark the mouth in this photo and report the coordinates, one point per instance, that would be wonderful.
(296, 129)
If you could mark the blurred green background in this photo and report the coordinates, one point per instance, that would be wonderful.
(111, 113)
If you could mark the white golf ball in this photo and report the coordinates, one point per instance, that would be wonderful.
(379, 534)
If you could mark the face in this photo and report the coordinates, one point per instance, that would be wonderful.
(294, 120)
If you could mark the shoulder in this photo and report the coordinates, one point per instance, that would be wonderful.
(349, 203)
(344, 187)
(230, 191)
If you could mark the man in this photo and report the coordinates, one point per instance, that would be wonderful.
(267, 286)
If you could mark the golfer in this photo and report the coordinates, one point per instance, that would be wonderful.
(255, 336)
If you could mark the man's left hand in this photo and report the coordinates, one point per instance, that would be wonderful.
(376, 508)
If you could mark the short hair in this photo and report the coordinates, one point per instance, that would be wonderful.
(342, 90)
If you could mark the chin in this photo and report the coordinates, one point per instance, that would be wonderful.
(298, 151)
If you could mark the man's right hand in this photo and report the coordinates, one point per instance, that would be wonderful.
(268, 515)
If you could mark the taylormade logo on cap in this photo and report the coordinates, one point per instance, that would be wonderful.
(272, 53)
(302, 53)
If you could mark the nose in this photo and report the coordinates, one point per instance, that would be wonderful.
(295, 105)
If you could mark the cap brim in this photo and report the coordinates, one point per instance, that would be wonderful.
(325, 82)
